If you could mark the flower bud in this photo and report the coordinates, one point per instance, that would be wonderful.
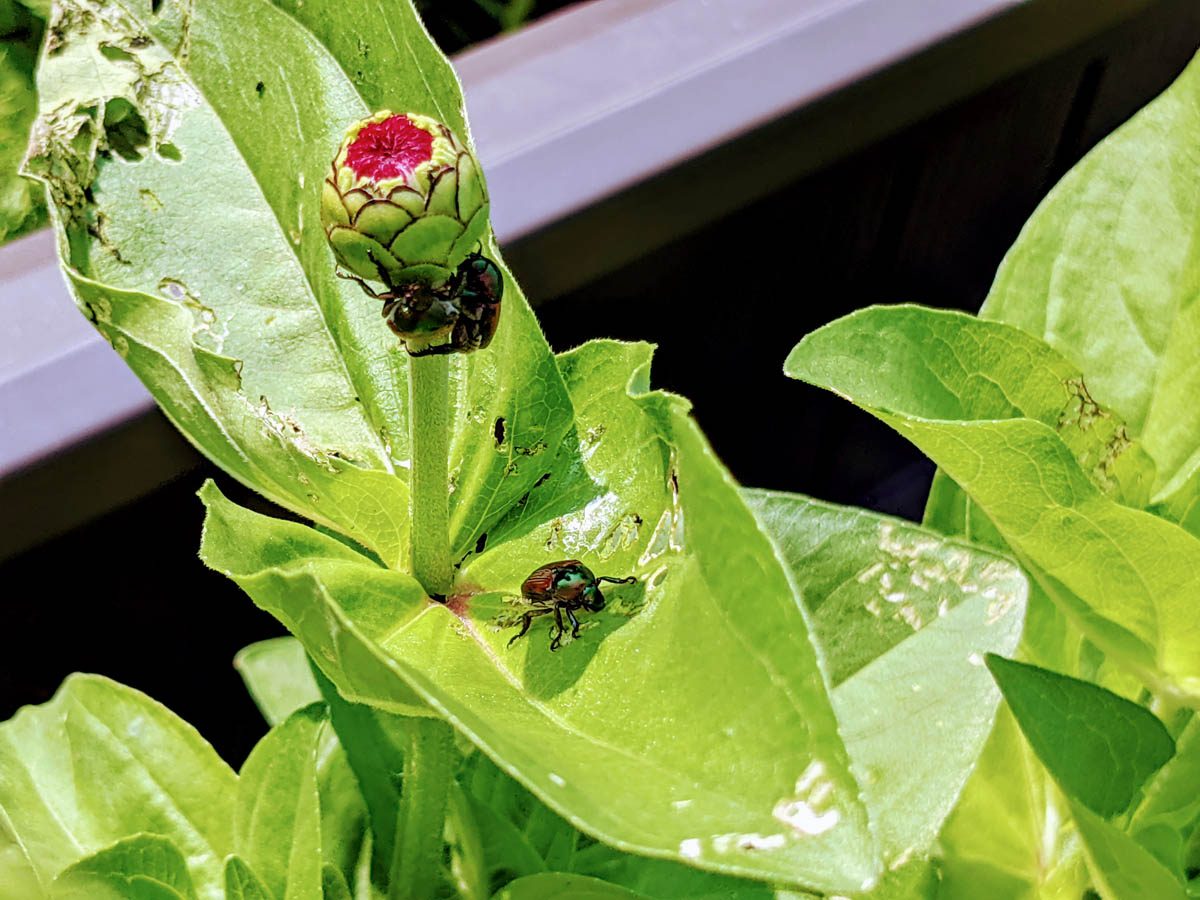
(405, 201)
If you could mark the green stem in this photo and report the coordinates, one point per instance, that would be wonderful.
(429, 415)
(416, 870)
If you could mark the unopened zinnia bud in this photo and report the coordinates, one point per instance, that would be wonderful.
(405, 202)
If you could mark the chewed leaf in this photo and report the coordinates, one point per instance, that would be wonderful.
(708, 641)
(1049, 482)
(903, 617)
(185, 189)
(1105, 272)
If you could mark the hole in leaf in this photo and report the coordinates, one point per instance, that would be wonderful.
(499, 431)
(171, 152)
(125, 129)
(260, 88)
(481, 543)
(110, 51)
(542, 480)
(156, 6)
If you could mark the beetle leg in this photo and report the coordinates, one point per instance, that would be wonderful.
(526, 621)
(557, 642)
(574, 623)
(371, 292)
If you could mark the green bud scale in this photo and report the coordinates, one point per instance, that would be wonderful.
(404, 202)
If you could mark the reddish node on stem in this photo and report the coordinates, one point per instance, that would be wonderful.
(389, 149)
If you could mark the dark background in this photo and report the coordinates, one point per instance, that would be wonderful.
(923, 216)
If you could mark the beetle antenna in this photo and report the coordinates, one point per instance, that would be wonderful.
(630, 580)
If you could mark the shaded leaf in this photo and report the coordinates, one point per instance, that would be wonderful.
(1099, 747)
(22, 204)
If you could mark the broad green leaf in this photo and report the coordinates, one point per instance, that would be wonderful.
(1099, 747)
(241, 883)
(904, 618)
(22, 205)
(278, 677)
(197, 262)
(711, 641)
(1106, 271)
(1002, 414)
(561, 886)
(198, 254)
(141, 867)
(1168, 817)
(276, 824)
(1120, 867)
(101, 762)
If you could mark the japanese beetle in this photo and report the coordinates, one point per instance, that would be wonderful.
(465, 310)
(562, 587)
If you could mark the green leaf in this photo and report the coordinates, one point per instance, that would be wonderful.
(645, 497)
(1099, 747)
(198, 254)
(555, 885)
(1169, 815)
(1122, 869)
(1005, 417)
(1106, 272)
(101, 762)
(278, 677)
(276, 825)
(184, 257)
(241, 883)
(141, 867)
(22, 204)
(904, 618)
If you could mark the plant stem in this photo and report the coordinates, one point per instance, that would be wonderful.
(429, 414)
(416, 871)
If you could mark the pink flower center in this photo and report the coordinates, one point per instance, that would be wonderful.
(387, 149)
